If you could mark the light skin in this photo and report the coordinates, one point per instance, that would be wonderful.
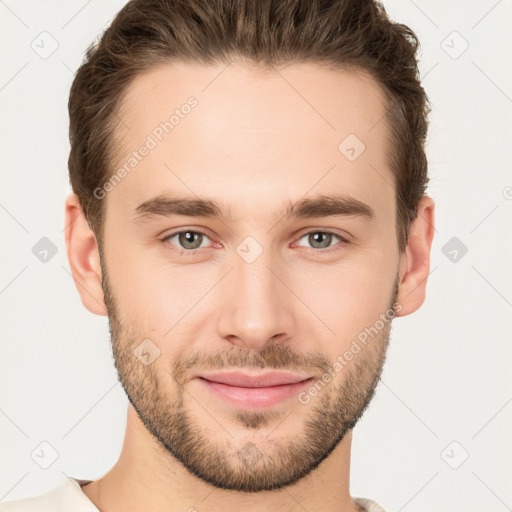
(255, 143)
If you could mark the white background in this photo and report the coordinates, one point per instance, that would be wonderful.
(447, 377)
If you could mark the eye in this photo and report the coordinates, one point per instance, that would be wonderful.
(322, 239)
(188, 240)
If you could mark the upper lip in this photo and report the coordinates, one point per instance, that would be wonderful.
(235, 378)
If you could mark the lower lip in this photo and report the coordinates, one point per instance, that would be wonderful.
(255, 398)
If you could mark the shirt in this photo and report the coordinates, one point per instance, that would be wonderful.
(69, 497)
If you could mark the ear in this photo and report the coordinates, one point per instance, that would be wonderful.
(84, 258)
(415, 260)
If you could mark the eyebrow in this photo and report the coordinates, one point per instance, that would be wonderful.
(312, 207)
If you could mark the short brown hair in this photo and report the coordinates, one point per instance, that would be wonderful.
(350, 34)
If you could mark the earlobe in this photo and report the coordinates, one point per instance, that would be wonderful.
(83, 257)
(415, 261)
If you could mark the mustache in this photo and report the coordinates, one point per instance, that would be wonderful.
(278, 357)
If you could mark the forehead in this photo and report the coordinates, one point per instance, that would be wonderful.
(251, 133)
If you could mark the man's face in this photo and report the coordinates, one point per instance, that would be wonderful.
(259, 290)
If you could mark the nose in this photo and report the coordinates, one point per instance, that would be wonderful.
(256, 305)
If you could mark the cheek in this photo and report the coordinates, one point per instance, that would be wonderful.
(350, 295)
(152, 294)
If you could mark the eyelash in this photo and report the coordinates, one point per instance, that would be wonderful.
(194, 252)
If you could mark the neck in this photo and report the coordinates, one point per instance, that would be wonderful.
(147, 477)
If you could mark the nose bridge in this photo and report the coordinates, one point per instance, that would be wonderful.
(257, 306)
